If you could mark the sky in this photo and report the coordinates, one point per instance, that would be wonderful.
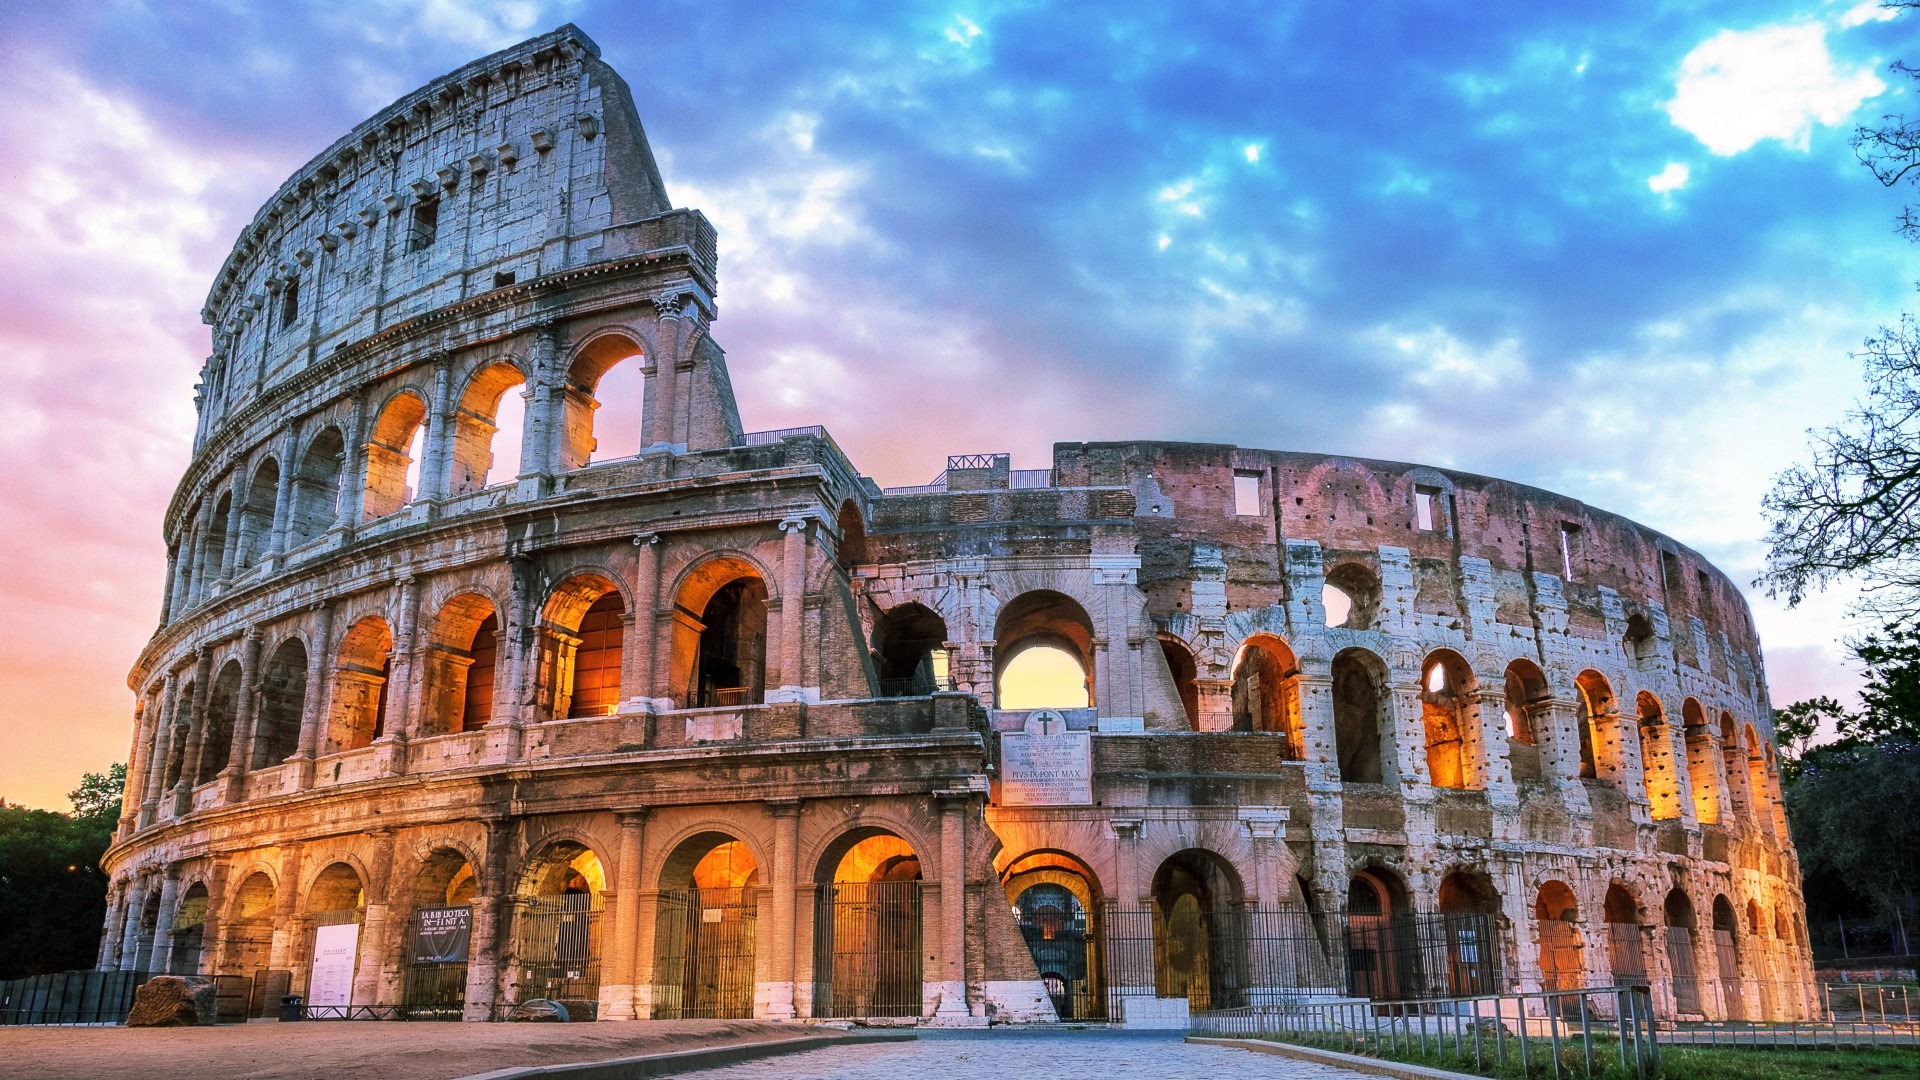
(1617, 250)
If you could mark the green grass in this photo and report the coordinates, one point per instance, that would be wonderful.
(1676, 1062)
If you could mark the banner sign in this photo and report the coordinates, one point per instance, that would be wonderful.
(440, 934)
(334, 950)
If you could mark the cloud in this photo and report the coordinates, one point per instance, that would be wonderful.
(1739, 88)
(1869, 11)
(1670, 179)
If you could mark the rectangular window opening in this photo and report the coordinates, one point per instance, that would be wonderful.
(290, 304)
(1425, 500)
(503, 279)
(1706, 591)
(1246, 494)
(1569, 546)
(1670, 578)
(426, 225)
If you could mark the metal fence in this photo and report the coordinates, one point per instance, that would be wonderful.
(867, 950)
(557, 945)
(703, 966)
(69, 997)
(1571, 1033)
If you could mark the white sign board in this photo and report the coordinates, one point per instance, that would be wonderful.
(334, 950)
(1046, 765)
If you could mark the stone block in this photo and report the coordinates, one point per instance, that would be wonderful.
(173, 1001)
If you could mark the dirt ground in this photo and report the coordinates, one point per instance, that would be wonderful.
(362, 1050)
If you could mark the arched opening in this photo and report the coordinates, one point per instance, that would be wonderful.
(852, 549)
(1351, 597)
(1726, 951)
(283, 700)
(460, 666)
(705, 931)
(720, 634)
(216, 741)
(1382, 962)
(146, 929)
(1733, 767)
(1056, 904)
(1599, 728)
(1266, 691)
(1450, 713)
(393, 455)
(439, 934)
(1702, 771)
(605, 395)
(335, 910)
(1043, 653)
(189, 931)
(256, 514)
(910, 651)
(1760, 791)
(581, 645)
(213, 553)
(557, 928)
(487, 429)
(247, 932)
(360, 686)
(1195, 912)
(316, 487)
(1556, 913)
(1639, 641)
(1625, 951)
(867, 927)
(1657, 770)
(1359, 715)
(1468, 905)
(1774, 797)
(1683, 971)
(1185, 674)
(1527, 700)
(177, 747)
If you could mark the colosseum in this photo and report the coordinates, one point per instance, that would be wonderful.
(452, 708)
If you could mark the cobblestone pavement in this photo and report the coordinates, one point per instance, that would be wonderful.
(1018, 1055)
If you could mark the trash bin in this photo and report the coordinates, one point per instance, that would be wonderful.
(292, 1007)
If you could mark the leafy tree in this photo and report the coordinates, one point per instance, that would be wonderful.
(1796, 726)
(1850, 809)
(53, 895)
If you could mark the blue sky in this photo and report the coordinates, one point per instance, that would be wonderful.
(1620, 251)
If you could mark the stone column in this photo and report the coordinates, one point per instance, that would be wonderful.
(161, 960)
(283, 496)
(240, 750)
(489, 918)
(793, 605)
(623, 963)
(197, 735)
(236, 508)
(665, 406)
(146, 715)
(637, 681)
(1496, 771)
(138, 888)
(514, 644)
(436, 448)
(172, 579)
(353, 471)
(313, 710)
(150, 792)
(391, 747)
(213, 927)
(286, 900)
(786, 850)
(373, 925)
(540, 440)
(109, 953)
(952, 984)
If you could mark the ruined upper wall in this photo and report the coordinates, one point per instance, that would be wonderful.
(505, 170)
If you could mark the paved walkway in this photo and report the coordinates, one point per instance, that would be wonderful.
(1020, 1055)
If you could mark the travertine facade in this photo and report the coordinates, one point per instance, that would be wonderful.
(711, 729)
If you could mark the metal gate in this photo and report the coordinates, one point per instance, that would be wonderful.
(557, 944)
(434, 991)
(1732, 998)
(1413, 957)
(703, 964)
(1220, 958)
(1623, 953)
(1685, 977)
(1066, 950)
(867, 949)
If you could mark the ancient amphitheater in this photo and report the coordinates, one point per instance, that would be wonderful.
(710, 726)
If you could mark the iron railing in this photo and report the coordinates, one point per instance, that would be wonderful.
(703, 966)
(557, 945)
(867, 949)
(1568, 1033)
(435, 991)
(69, 997)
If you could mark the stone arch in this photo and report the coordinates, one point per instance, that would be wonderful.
(1043, 619)
(213, 552)
(1266, 691)
(1556, 914)
(476, 420)
(392, 450)
(909, 650)
(867, 949)
(189, 930)
(317, 487)
(1601, 755)
(283, 701)
(1185, 674)
(1658, 772)
(1626, 951)
(247, 927)
(1759, 797)
(720, 644)
(1703, 772)
(223, 711)
(1361, 715)
(1358, 588)
(339, 884)
(1639, 642)
(1196, 897)
(1726, 953)
(359, 699)
(462, 646)
(1381, 961)
(1450, 715)
(705, 931)
(580, 646)
(1469, 906)
(593, 359)
(1734, 767)
(1528, 696)
(852, 546)
(1679, 928)
(176, 767)
(256, 514)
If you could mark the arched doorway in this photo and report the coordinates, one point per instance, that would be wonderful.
(582, 631)
(459, 660)
(1043, 653)
(247, 935)
(910, 651)
(1266, 691)
(1200, 942)
(720, 635)
(557, 928)
(1057, 907)
(867, 929)
(1185, 674)
(1527, 702)
(1450, 714)
(1468, 905)
(1683, 972)
(439, 933)
(283, 696)
(1381, 963)
(335, 910)
(1658, 774)
(1359, 715)
(1624, 938)
(1599, 728)
(1726, 952)
(1557, 915)
(189, 931)
(705, 931)
(359, 709)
